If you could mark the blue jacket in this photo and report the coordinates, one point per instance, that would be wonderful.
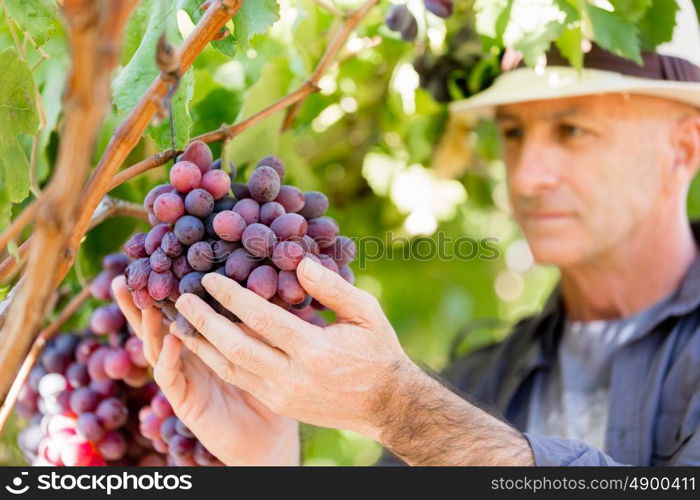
(654, 409)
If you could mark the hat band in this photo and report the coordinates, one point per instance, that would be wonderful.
(656, 66)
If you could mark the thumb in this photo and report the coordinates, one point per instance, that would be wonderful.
(349, 303)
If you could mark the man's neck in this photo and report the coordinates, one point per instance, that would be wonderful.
(632, 277)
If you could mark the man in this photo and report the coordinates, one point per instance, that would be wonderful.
(598, 172)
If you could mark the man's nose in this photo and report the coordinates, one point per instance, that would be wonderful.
(534, 170)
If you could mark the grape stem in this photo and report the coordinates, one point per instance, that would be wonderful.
(35, 352)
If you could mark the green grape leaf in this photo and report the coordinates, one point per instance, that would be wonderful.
(264, 136)
(632, 10)
(227, 45)
(656, 27)
(697, 8)
(135, 78)
(492, 18)
(16, 168)
(253, 19)
(536, 43)
(569, 44)
(614, 33)
(17, 106)
(36, 17)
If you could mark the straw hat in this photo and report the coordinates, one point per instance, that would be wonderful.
(672, 72)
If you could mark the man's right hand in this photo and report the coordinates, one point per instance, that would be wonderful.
(233, 425)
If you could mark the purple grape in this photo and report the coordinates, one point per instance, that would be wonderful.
(85, 348)
(346, 272)
(167, 428)
(117, 363)
(225, 203)
(274, 162)
(181, 267)
(83, 399)
(189, 229)
(343, 250)
(198, 152)
(106, 388)
(112, 413)
(153, 220)
(142, 299)
(77, 375)
(270, 211)
(137, 274)
(309, 245)
(240, 191)
(155, 237)
(35, 376)
(287, 255)
(291, 198)
(199, 202)
(264, 184)
(217, 182)
(315, 205)
(28, 398)
(66, 343)
(96, 365)
(263, 281)
(400, 19)
(115, 263)
(159, 261)
(305, 303)
(222, 249)
(88, 426)
(249, 209)
(441, 8)
(182, 429)
(240, 264)
(192, 283)
(107, 318)
(101, 286)
(229, 225)
(113, 446)
(200, 256)
(185, 326)
(289, 288)
(171, 245)
(231, 166)
(161, 285)
(169, 207)
(185, 176)
(136, 246)
(328, 262)
(153, 194)
(259, 240)
(289, 226)
(323, 230)
(181, 446)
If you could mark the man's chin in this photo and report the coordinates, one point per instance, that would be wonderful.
(559, 252)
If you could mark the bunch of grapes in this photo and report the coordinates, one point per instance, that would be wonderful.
(171, 437)
(83, 397)
(401, 19)
(254, 233)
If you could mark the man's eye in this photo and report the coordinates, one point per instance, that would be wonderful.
(570, 131)
(513, 133)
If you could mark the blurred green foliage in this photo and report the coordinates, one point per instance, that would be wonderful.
(367, 140)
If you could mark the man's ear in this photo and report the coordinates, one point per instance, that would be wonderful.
(686, 144)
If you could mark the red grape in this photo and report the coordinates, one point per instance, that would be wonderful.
(136, 246)
(161, 285)
(117, 363)
(249, 209)
(107, 318)
(169, 207)
(229, 225)
(112, 413)
(198, 153)
(289, 288)
(323, 230)
(343, 250)
(287, 255)
(192, 283)
(259, 240)
(155, 237)
(264, 184)
(441, 8)
(115, 263)
(112, 446)
(289, 226)
(101, 286)
(181, 267)
(89, 426)
(137, 274)
(159, 260)
(134, 346)
(315, 204)
(189, 229)
(217, 182)
(274, 162)
(240, 191)
(240, 264)
(84, 399)
(270, 211)
(263, 281)
(153, 194)
(199, 203)
(291, 198)
(200, 256)
(185, 176)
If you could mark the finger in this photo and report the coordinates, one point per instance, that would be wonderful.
(350, 304)
(152, 333)
(168, 371)
(123, 297)
(222, 367)
(282, 328)
(239, 348)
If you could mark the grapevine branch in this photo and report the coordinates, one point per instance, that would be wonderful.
(94, 31)
(337, 43)
(35, 351)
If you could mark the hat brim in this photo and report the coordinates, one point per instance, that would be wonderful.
(556, 82)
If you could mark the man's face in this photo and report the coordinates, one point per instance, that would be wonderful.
(584, 172)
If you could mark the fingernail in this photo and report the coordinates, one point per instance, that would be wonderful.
(311, 270)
